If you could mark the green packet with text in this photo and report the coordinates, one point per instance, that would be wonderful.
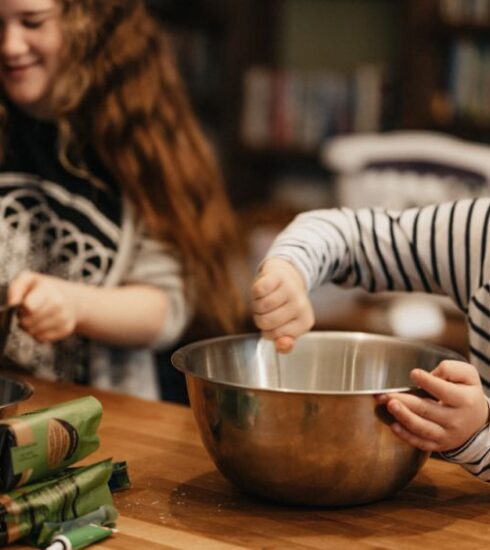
(73, 493)
(38, 444)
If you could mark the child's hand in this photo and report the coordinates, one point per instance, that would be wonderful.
(281, 306)
(459, 408)
(49, 307)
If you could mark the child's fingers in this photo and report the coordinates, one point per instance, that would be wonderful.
(419, 427)
(275, 299)
(424, 407)
(414, 440)
(292, 329)
(276, 318)
(264, 285)
(284, 344)
(441, 388)
(457, 372)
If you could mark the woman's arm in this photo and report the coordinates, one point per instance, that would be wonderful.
(51, 309)
(129, 315)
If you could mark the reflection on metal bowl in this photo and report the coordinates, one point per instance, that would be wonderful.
(304, 428)
(12, 393)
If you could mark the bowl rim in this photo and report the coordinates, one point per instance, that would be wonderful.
(26, 386)
(178, 359)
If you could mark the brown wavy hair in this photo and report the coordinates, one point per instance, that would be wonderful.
(119, 90)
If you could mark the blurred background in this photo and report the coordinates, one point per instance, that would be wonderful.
(321, 103)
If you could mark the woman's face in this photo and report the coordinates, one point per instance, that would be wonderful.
(30, 45)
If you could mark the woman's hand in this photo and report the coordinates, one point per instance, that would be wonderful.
(49, 306)
(459, 408)
(281, 306)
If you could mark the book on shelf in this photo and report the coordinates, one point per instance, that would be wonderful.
(298, 110)
(457, 12)
(368, 94)
(257, 116)
(467, 88)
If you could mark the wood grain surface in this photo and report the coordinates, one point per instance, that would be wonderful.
(179, 501)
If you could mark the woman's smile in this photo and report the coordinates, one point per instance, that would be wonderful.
(18, 70)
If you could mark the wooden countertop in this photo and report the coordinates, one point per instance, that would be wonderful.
(179, 500)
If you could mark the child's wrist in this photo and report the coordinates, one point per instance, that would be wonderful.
(487, 423)
(279, 262)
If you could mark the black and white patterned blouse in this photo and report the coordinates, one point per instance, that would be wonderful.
(57, 222)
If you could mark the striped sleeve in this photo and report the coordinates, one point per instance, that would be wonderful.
(439, 248)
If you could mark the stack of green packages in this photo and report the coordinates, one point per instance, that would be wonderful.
(43, 500)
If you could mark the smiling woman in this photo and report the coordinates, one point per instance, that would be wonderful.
(30, 49)
(113, 212)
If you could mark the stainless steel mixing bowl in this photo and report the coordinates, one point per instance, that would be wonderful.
(304, 428)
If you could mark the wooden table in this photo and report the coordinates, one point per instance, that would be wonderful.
(179, 500)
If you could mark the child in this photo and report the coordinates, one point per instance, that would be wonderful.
(114, 218)
(440, 249)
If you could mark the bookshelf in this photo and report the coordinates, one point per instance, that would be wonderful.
(362, 65)
(220, 44)
(447, 67)
(333, 61)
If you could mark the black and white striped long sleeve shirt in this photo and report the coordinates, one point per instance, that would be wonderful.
(437, 249)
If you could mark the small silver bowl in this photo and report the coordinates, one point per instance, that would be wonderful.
(12, 393)
(304, 428)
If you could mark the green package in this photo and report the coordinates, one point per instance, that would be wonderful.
(37, 444)
(67, 495)
(105, 515)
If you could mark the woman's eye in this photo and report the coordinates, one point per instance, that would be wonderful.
(33, 23)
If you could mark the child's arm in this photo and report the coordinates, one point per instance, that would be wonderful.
(457, 411)
(52, 309)
(439, 249)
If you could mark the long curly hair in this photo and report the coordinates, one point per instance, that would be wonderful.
(119, 90)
